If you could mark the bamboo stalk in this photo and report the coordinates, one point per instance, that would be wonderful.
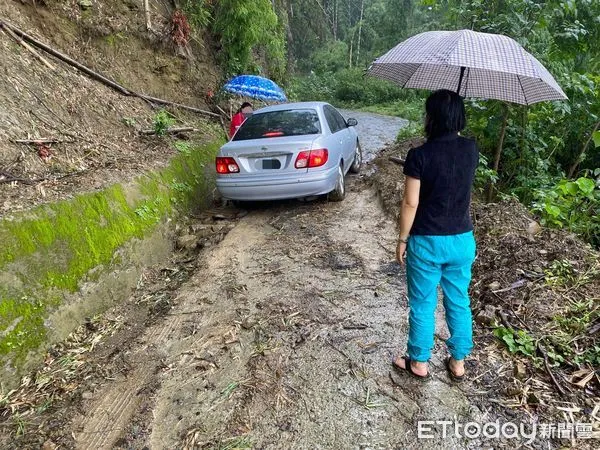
(170, 130)
(65, 58)
(179, 105)
(97, 76)
(36, 141)
(27, 47)
(147, 12)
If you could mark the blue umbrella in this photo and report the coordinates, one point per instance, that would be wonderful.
(256, 87)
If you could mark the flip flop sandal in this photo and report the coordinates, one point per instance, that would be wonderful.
(409, 369)
(453, 376)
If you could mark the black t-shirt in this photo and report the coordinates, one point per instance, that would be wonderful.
(446, 167)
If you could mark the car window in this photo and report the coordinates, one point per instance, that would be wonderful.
(339, 119)
(291, 122)
(331, 120)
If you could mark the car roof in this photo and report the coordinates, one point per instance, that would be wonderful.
(288, 106)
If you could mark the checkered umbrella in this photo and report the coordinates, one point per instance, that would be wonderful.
(479, 65)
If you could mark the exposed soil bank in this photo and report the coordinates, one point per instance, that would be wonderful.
(67, 261)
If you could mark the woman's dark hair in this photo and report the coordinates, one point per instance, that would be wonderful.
(245, 104)
(445, 113)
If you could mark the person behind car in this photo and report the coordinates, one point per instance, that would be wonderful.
(239, 117)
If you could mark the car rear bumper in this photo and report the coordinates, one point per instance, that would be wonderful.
(235, 187)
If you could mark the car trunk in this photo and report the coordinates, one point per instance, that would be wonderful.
(268, 156)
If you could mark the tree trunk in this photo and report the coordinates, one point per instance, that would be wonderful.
(351, 45)
(335, 19)
(579, 158)
(362, 7)
(498, 150)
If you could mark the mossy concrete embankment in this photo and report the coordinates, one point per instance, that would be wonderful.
(63, 262)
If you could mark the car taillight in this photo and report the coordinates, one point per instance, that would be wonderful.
(311, 158)
(227, 165)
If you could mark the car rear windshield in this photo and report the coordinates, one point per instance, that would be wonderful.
(292, 122)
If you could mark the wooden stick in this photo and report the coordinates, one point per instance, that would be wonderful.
(178, 105)
(547, 365)
(397, 160)
(147, 11)
(170, 130)
(27, 47)
(9, 178)
(36, 141)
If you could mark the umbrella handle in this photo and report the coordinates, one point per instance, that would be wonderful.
(462, 74)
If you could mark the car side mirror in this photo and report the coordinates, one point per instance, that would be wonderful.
(351, 122)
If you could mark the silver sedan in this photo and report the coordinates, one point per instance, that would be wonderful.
(291, 150)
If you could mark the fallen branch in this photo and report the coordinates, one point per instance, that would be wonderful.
(515, 285)
(95, 75)
(547, 365)
(357, 326)
(397, 160)
(170, 130)
(27, 47)
(147, 12)
(6, 177)
(36, 141)
(178, 105)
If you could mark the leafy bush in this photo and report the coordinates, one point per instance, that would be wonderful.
(516, 341)
(574, 205)
(162, 121)
(353, 89)
(330, 58)
(245, 27)
(198, 12)
(484, 176)
(413, 129)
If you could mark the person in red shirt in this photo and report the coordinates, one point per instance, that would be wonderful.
(238, 118)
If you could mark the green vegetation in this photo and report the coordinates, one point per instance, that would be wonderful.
(52, 248)
(517, 341)
(162, 121)
(572, 204)
(547, 147)
(250, 34)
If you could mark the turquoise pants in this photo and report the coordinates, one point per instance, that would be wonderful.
(445, 261)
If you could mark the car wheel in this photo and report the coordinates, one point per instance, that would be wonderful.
(338, 194)
(357, 163)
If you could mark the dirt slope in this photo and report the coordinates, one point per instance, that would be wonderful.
(97, 128)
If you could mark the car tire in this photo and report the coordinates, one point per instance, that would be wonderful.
(357, 162)
(339, 193)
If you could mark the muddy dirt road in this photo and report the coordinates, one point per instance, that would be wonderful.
(283, 340)
(375, 130)
(280, 338)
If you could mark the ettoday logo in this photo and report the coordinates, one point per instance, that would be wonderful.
(430, 429)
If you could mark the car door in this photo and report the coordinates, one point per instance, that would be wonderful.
(335, 142)
(347, 137)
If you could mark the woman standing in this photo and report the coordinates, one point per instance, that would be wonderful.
(239, 117)
(436, 235)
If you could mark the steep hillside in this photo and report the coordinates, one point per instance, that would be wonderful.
(96, 128)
